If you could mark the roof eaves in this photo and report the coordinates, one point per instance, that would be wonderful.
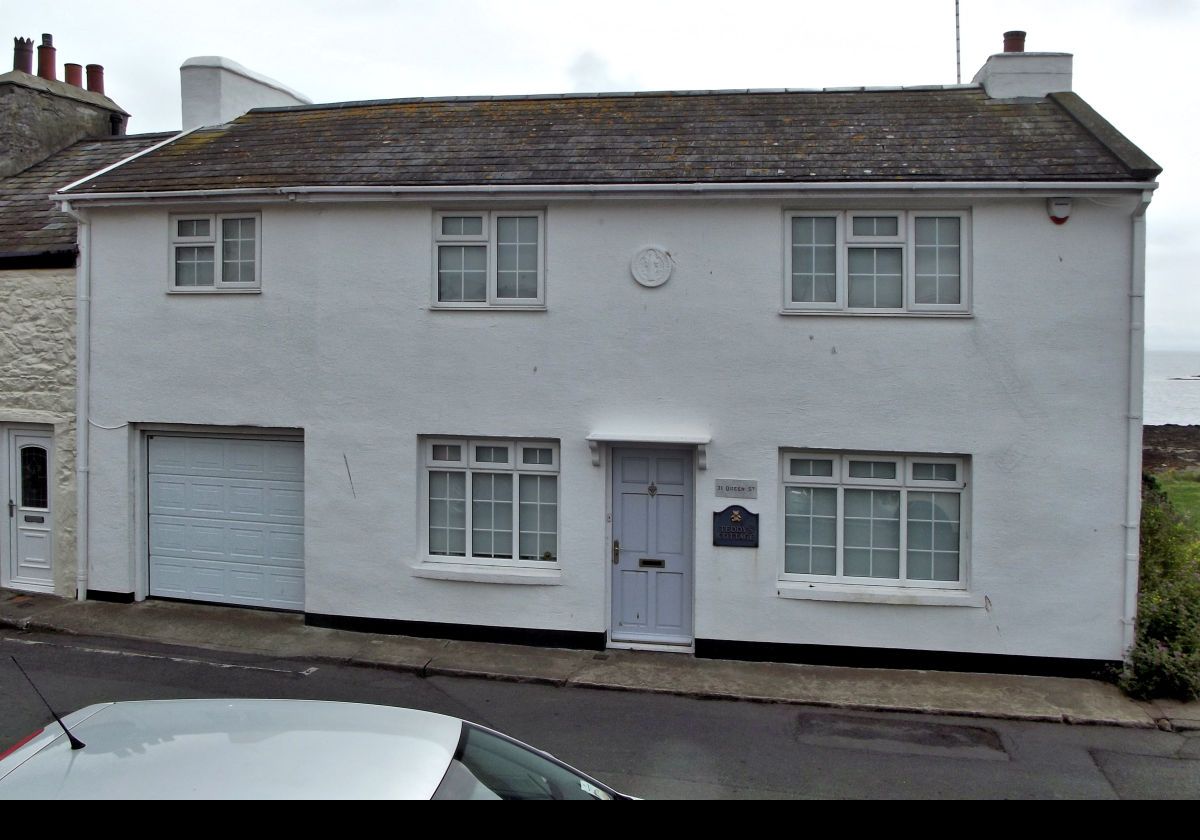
(284, 193)
(62, 257)
(1140, 165)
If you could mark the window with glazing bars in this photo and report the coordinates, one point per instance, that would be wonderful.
(492, 501)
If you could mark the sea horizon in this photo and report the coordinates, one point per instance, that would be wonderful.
(1171, 390)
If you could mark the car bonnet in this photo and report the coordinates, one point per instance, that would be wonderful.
(232, 749)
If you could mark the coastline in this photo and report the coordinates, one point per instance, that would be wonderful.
(1170, 447)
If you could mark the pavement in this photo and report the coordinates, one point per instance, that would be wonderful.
(284, 635)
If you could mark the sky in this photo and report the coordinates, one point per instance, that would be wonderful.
(1133, 63)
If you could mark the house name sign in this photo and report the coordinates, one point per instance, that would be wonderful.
(735, 527)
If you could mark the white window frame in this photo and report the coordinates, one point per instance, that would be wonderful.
(871, 238)
(489, 239)
(964, 263)
(903, 484)
(933, 483)
(905, 240)
(469, 466)
(839, 280)
(214, 239)
(835, 478)
(882, 483)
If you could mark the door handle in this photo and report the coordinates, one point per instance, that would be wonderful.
(11, 505)
(616, 551)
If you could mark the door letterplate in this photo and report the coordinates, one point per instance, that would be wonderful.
(648, 563)
(35, 518)
(616, 552)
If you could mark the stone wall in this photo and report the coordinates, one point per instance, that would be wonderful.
(35, 124)
(37, 385)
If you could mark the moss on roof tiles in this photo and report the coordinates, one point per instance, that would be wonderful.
(29, 221)
(933, 134)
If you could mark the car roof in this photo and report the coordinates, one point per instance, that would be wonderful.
(233, 749)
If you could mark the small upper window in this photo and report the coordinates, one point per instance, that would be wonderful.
(876, 262)
(215, 252)
(489, 259)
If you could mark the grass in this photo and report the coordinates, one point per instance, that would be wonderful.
(1183, 489)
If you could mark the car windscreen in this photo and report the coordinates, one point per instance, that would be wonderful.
(487, 766)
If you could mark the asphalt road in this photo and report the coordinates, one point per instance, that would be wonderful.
(653, 746)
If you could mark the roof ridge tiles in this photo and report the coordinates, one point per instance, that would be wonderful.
(533, 97)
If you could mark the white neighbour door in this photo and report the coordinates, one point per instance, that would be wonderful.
(30, 550)
(652, 546)
(227, 520)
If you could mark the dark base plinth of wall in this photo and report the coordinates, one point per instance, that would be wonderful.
(111, 597)
(461, 632)
(923, 660)
(912, 660)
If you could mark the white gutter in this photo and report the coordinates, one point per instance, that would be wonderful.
(83, 359)
(1133, 488)
(1040, 188)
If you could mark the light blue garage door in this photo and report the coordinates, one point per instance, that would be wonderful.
(227, 520)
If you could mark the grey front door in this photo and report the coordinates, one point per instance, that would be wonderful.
(652, 546)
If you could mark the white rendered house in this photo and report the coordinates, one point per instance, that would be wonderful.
(782, 373)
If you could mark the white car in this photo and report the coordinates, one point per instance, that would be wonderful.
(281, 749)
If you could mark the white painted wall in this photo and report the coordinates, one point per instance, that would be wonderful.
(215, 90)
(342, 344)
(37, 389)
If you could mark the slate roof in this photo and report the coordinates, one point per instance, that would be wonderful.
(30, 224)
(921, 134)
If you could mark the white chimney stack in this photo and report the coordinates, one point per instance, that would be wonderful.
(1015, 74)
(216, 90)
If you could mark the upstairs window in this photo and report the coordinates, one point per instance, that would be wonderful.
(488, 259)
(215, 252)
(876, 262)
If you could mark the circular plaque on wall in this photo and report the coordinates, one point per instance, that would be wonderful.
(652, 267)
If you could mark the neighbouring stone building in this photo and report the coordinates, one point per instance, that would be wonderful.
(51, 133)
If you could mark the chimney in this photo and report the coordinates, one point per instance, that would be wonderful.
(215, 90)
(1016, 74)
(43, 116)
(95, 78)
(23, 55)
(46, 52)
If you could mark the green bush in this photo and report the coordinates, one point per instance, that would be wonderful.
(1165, 658)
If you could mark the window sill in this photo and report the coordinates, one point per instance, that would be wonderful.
(478, 573)
(879, 594)
(214, 291)
(532, 307)
(841, 313)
